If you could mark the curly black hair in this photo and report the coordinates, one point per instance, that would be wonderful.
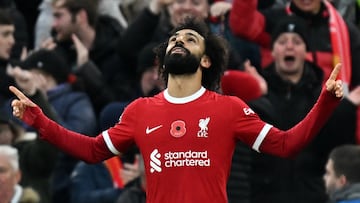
(216, 48)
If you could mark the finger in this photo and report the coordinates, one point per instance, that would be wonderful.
(9, 70)
(335, 72)
(24, 53)
(18, 93)
(76, 41)
(16, 106)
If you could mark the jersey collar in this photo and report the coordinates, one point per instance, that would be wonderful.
(183, 100)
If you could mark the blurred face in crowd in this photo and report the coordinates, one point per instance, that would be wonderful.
(179, 9)
(150, 80)
(289, 52)
(7, 41)
(6, 134)
(332, 181)
(64, 23)
(9, 177)
(311, 6)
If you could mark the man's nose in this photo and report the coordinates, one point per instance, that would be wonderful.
(179, 41)
(289, 44)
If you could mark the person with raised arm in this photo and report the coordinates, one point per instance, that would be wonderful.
(187, 133)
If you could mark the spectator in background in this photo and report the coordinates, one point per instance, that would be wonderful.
(342, 177)
(42, 29)
(7, 42)
(135, 193)
(97, 183)
(45, 18)
(112, 8)
(29, 9)
(97, 35)
(10, 175)
(9, 131)
(21, 34)
(293, 86)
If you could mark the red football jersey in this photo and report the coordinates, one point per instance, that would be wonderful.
(187, 143)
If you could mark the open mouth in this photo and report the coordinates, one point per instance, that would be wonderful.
(178, 50)
(289, 59)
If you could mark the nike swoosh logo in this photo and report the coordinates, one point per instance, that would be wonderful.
(150, 130)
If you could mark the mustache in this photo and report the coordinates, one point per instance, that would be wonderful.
(178, 45)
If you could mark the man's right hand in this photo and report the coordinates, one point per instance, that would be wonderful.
(20, 104)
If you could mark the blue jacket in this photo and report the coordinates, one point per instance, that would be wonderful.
(76, 113)
(92, 183)
(347, 194)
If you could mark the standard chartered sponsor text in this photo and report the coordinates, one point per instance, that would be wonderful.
(188, 158)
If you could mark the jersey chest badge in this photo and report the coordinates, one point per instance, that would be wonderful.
(203, 124)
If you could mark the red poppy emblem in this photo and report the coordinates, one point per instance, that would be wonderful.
(178, 129)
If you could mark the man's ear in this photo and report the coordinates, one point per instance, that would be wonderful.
(343, 180)
(205, 61)
(81, 16)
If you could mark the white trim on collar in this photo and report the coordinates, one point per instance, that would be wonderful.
(183, 100)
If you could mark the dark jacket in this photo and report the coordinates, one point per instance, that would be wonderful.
(279, 180)
(92, 183)
(5, 81)
(116, 77)
(133, 193)
(75, 113)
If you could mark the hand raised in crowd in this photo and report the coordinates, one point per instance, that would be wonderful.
(250, 69)
(49, 44)
(20, 104)
(354, 96)
(333, 85)
(156, 6)
(81, 50)
(26, 80)
(220, 8)
(130, 171)
(24, 53)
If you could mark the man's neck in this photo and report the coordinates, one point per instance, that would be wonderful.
(184, 85)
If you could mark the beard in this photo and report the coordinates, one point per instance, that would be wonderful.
(179, 64)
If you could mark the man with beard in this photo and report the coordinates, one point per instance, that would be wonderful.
(87, 41)
(187, 133)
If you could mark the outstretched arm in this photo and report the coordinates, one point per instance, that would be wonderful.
(86, 148)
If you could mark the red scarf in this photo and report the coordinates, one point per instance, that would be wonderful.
(114, 165)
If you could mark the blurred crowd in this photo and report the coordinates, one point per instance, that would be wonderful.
(83, 61)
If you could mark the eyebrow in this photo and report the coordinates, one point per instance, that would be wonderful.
(191, 34)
